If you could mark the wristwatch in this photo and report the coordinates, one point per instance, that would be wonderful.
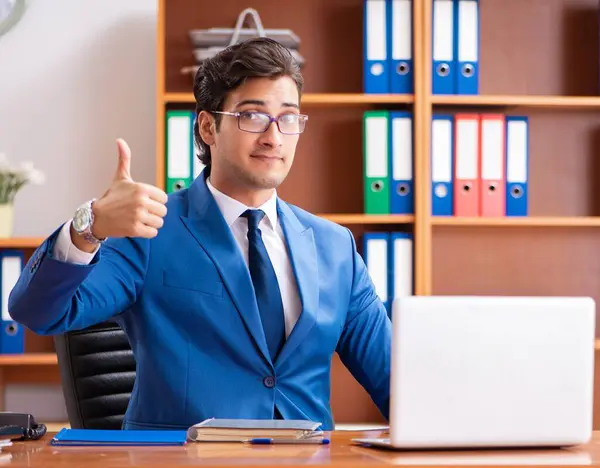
(83, 222)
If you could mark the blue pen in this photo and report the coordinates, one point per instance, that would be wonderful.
(267, 441)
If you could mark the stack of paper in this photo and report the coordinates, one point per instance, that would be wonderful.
(245, 430)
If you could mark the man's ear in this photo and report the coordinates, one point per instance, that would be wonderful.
(206, 127)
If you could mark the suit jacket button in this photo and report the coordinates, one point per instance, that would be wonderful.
(269, 382)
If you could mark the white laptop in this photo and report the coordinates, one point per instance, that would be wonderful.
(483, 372)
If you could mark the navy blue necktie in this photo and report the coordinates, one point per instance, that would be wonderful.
(268, 296)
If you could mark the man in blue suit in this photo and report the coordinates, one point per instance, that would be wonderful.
(233, 300)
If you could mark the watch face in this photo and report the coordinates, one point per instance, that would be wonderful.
(81, 220)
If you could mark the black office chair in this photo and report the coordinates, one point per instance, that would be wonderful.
(97, 371)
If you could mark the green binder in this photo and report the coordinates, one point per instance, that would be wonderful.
(179, 138)
(376, 168)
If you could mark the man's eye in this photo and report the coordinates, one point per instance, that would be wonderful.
(250, 116)
(289, 118)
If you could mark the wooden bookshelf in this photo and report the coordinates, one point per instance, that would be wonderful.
(523, 101)
(20, 242)
(530, 221)
(28, 359)
(537, 59)
(368, 219)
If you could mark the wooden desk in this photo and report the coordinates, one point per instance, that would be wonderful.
(340, 453)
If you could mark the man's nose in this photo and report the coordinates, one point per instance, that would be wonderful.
(271, 137)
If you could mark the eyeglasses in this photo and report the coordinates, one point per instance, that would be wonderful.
(259, 122)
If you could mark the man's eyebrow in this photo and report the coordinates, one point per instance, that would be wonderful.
(258, 102)
(290, 104)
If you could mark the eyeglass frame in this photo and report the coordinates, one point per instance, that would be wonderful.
(270, 117)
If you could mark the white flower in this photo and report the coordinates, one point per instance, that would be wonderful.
(31, 174)
(37, 177)
(13, 178)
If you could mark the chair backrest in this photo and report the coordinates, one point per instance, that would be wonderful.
(97, 371)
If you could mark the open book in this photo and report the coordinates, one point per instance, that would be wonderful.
(243, 430)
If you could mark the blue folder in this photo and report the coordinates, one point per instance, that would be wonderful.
(94, 437)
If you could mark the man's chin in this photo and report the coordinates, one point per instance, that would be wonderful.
(257, 179)
(266, 182)
(263, 180)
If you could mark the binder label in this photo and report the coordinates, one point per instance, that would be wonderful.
(467, 149)
(467, 52)
(402, 157)
(10, 271)
(377, 259)
(401, 30)
(442, 157)
(376, 128)
(443, 42)
(376, 45)
(517, 152)
(178, 147)
(491, 141)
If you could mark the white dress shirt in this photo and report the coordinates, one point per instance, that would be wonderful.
(231, 209)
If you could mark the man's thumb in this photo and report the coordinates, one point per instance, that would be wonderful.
(124, 166)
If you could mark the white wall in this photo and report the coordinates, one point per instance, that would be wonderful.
(74, 76)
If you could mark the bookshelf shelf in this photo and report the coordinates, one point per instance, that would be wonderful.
(368, 219)
(547, 102)
(20, 243)
(318, 98)
(28, 359)
(186, 98)
(531, 221)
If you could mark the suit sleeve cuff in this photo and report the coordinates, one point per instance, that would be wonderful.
(65, 250)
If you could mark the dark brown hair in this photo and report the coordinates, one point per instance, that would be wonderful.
(217, 76)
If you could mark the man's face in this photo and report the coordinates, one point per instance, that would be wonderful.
(256, 160)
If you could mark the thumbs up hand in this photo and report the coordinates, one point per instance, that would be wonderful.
(124, 163)
(128, 208)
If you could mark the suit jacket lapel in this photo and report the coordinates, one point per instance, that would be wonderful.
(303, 256)
(206, 223)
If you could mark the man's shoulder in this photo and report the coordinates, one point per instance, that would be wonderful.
(318, 223)
(177, 202)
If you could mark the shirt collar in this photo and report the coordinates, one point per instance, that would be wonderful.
(232, 209)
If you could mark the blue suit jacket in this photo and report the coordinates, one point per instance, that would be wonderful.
(186, 301)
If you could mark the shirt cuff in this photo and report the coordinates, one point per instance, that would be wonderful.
(66, 251)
